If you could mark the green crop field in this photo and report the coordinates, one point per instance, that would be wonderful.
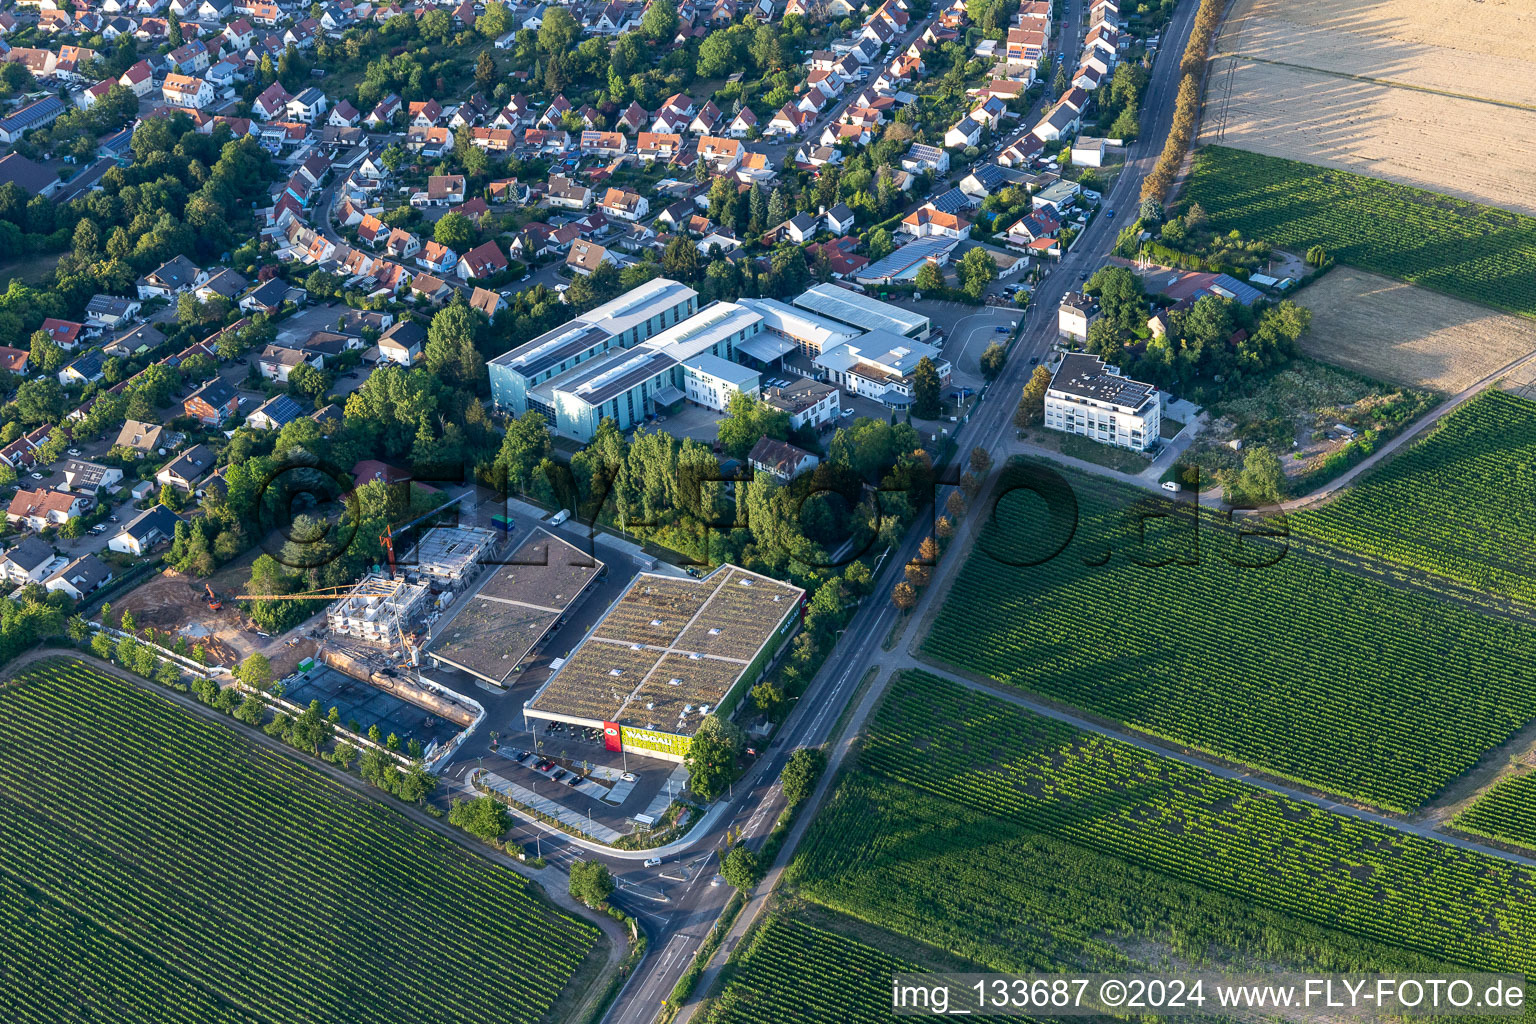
(1019, 842)
(1507, 812)
(1465, 249)
(1303, 669)
(160, 868)
(795, 973)
(1459, 504)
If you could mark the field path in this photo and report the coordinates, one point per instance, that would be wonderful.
(550, 883)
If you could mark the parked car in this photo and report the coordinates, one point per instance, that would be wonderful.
(1000, 329)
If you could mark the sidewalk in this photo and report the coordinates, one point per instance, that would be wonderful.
(564, 815)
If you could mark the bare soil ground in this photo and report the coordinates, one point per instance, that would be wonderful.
(176, 603)
(1417, 91)
(1407, 335)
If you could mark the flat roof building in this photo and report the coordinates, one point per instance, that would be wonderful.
(620, 323)
(879, 365)
(517, 606)
(628, 385)
(667, 653)
(810, 333)
(861, 311)
(1089, 398)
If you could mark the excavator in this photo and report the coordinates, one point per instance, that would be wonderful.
(215, 602)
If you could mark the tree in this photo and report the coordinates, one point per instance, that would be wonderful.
(450, 352)
(485, 72)
(1031, 410)
(558, 32)
(1317, 256)
(1151, 210)
(1061, 83)
(173, 31)
(483, 817)
(591, 882)
(255, 671)
(127, 622)
(717, 55)
(1261, 481)
(524, 447)
(740, 869)
(903, 596)
(977, 270)
(747, 420)
(456, 231)
(925, 389)
(46, 355)
(800, 773)
(956, 505)
(1127, 125)
(711, 757)
(659, 23)
(495, 21)
(929, 278)
(993, 359)
(766, 696)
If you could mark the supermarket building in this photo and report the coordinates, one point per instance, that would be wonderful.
(668, 652)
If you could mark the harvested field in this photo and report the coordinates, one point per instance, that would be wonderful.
(1396, 90)
(1396, 332)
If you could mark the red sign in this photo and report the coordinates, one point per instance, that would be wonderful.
(611, 738)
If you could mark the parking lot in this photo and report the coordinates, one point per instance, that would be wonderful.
(361, 705)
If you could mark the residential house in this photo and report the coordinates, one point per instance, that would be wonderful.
(170, 279)
(274, 414)
(437, 258)
(604, 144)
(82, 370)
(213, 403)
(40, 509)
(445, 189)
(780, 459)
(743, 124)
(141, 438)
(90, 478)
(928, 222)
(482, 261)
(586, 257)
(624, 204)
(488, 302)
(29, 560)
(140, 535)
(567, 193)
(185, 470)
(80, 577)
(402, 343)
(922, 158)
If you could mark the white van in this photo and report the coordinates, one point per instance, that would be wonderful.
(560, 517)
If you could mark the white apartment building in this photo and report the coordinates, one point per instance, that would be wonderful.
(712, 382)
(1089, 398)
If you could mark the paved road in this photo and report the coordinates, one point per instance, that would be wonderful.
(695, 909)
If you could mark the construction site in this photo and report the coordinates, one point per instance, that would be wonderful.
(368, 661)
